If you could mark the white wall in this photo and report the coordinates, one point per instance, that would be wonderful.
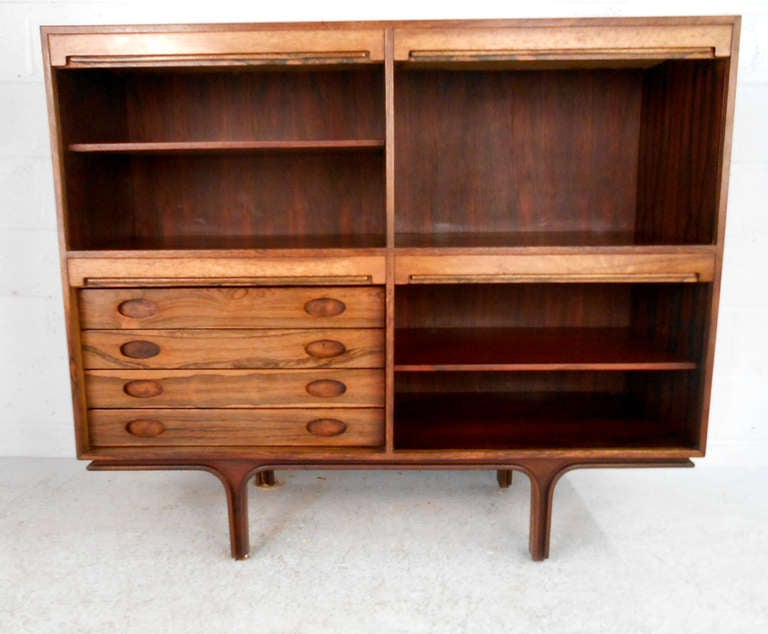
(35, 407)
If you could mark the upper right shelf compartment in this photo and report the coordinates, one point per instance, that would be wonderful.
(565, 135)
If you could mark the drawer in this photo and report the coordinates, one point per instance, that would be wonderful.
(178, 349)
(301, 307)
(264, 427)
(695, 264)
(234, 388)
(202, 45)
(562, 41)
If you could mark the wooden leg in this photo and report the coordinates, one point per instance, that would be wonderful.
(504, 478)
(265, 479)
(234, 475)
(543, 475)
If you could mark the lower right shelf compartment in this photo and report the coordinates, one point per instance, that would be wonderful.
(546, 410)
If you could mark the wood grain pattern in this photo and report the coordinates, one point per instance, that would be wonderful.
(191, 195)
(672, 266)
(187, 147)
(145, 428)
(139, 349)
(568, 41)
(543, 349)
(134, 49)
(182, 169)
(232, 308)
(680, 149)
(326, 427)
(232, 388)
(555, 174)
(142, 388)
(205, 268)
(236, 428)
(586, 419)
(512, 138)
(208, 348)
(478, 306)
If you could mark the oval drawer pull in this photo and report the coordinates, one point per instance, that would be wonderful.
(324, 307)
(325, 348)
(143, 388)
(326, 388)
(137, 308)
(140, 349)
(326, 427)
(145, 428)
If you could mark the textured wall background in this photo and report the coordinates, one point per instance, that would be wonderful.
(35, 405)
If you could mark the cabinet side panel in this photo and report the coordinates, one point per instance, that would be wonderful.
(681, 144)
(71, 314)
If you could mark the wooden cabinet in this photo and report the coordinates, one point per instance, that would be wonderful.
(472, 245)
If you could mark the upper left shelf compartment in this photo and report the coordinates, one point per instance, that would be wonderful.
(256, 139)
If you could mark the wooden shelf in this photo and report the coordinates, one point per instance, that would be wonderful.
(519, 349)
(214, 242)
(515, 239)
(532, 420)
(185, 147)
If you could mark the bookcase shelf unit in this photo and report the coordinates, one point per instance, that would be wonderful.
(489, 244)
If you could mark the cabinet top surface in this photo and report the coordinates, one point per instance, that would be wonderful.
(381, 24)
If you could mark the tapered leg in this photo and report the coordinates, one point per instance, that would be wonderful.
(234, 475)
(265, 479)
(504, 478)
(544, 475)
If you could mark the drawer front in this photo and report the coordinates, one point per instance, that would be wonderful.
(697, 265)
(302, 307)
(204, 46)
(264, 427)
(528, 42)
(277, 349)
(234, 388)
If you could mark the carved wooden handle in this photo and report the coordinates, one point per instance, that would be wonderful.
(137, 308)
(326, 427)
(143, 388)
(140, 349)
(325, 348)
(326, 388)
(324, 307)
(145, 428)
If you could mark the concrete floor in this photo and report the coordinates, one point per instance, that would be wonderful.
(632, 551)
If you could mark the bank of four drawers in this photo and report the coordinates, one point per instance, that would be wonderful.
(234, 366)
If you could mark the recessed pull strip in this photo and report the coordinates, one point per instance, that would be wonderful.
(513, 278)
(319, 280)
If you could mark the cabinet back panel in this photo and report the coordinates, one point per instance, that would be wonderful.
(225, 105)
(510, 382)
(513, 306)
(99, 200)
(176, 196)
(544, 151)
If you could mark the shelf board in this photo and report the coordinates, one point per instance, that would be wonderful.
(212, 242)
(526, 421)
(187, 147)
(478, 239)
(530, 349)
